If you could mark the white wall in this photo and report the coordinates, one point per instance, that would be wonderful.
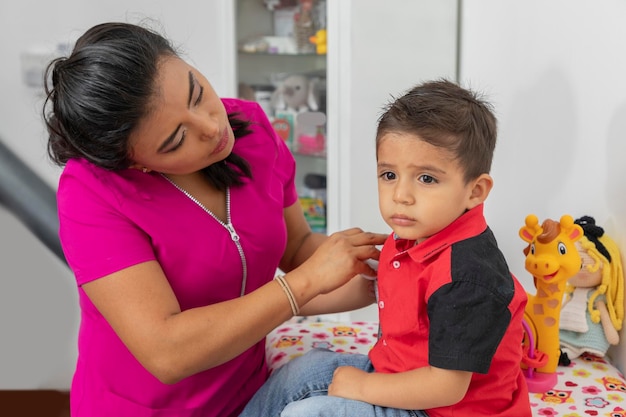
(556, 72)
(38, 302)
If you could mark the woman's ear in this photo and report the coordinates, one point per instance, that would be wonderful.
(140, 168)
(479, 190)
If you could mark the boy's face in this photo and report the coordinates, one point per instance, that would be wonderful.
(421, 188)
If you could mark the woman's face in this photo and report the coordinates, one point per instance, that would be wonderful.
(187, 128)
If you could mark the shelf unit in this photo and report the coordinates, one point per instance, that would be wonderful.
(267, 54)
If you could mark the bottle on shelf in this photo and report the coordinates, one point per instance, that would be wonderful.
(313, 201)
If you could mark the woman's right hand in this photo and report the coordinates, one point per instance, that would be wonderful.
(318, 264)
(340, 257)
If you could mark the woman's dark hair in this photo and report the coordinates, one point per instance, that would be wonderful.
(97, 96)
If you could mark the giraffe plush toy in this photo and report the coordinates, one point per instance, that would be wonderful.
(552, 258)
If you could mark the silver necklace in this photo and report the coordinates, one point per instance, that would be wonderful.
(228, 226)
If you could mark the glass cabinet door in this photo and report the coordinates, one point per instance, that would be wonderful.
(281, 64)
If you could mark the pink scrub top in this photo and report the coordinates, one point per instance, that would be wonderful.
(112, 220)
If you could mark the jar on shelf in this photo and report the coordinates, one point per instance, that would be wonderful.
(304, 27)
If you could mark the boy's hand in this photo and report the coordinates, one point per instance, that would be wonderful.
(418, 389)
(347, 383)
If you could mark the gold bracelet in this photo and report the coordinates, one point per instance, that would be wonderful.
(292, 300)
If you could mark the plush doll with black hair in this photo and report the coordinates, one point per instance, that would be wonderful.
(593, 311)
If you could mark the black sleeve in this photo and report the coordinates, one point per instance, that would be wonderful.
(467, 323)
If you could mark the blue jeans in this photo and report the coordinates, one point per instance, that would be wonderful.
(300, 387)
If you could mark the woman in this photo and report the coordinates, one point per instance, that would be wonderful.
(176, 207)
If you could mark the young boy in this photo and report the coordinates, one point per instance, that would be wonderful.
(450, 310)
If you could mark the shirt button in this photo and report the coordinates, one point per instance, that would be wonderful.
(381, 304)
(396, 264)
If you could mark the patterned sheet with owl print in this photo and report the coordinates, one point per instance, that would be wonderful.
(589, 386)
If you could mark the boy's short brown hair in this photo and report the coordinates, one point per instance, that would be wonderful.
(448, 116)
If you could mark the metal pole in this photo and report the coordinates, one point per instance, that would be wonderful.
(29, 199)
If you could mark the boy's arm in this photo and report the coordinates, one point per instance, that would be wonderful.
(418, 389)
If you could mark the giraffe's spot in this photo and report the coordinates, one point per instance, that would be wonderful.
(538, 309)
(541, 293)
(554, 303)
(553, 288)
(549, 321)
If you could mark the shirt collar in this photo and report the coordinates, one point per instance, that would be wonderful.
(469, 224)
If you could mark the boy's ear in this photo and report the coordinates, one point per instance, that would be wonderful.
(480, 189)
